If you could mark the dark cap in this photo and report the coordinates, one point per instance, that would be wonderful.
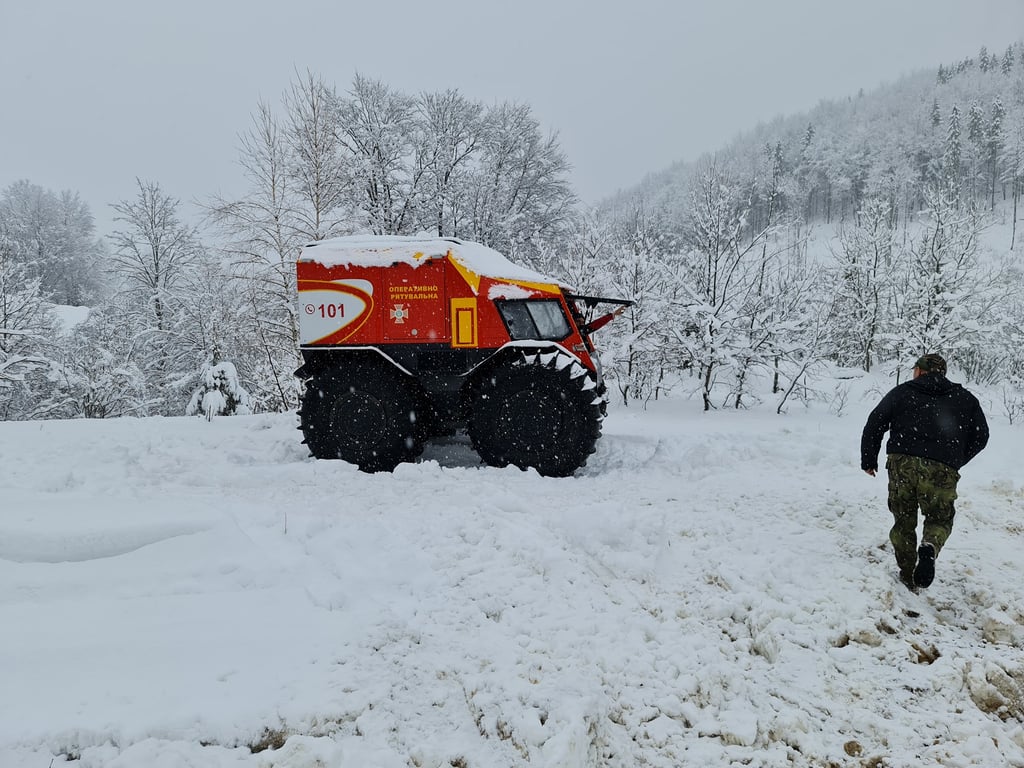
(931, 364)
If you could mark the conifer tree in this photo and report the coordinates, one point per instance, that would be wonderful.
(985, 63)
(1013, 169)
(952, 153)
(993, 143)
(975, 122)
(1007, 64)
(219, 393)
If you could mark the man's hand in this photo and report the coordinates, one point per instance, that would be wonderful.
(870, 472)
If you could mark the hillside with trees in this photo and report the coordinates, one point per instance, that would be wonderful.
(855, 236)
(849, 238)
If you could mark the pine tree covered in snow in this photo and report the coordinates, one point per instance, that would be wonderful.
(219, 393)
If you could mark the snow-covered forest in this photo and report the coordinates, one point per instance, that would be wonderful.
(855, 236)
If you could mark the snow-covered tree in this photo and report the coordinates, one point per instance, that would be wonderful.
(861, 284)
(762, 305)
(53, 236)
(800, 328)
(722, 274)
(993, 146)
(25, 327)
(154, 253)
(264, 234)
(1013, 167)
(948, 295)
(449, 137)
(101, 374)
(376, 127)
(1006, 63)
(952, 153)
(519, 192)
(985, 62)
(319, 173)
(646, 345)
(153, 248)
(219, 393)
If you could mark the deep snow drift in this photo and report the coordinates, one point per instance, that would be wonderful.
(712, 589)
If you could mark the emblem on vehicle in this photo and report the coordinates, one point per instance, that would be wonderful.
(399, 314)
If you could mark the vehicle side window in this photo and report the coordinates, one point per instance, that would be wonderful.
(550, 319)
(517, 319)
(534, 319)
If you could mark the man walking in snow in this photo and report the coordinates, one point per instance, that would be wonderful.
(935, 427)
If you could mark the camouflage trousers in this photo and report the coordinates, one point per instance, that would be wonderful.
(931, 485)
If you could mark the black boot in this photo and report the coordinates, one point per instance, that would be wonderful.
(924, 574)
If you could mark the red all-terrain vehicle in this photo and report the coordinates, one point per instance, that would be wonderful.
(404, 339)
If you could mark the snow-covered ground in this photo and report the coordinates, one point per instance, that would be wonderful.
(712, 589)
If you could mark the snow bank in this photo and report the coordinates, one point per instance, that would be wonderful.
(712, 589)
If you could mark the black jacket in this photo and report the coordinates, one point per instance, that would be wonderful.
(930, 417)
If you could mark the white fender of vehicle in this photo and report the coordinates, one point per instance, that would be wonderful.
(552, 347)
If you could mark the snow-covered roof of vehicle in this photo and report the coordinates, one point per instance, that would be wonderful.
(384, 250)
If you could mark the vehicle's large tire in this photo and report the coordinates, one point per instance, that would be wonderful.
(365, 412)
(539, 410)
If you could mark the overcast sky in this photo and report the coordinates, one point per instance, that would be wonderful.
(93, 94)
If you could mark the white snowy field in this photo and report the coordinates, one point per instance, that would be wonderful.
(711, 590)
